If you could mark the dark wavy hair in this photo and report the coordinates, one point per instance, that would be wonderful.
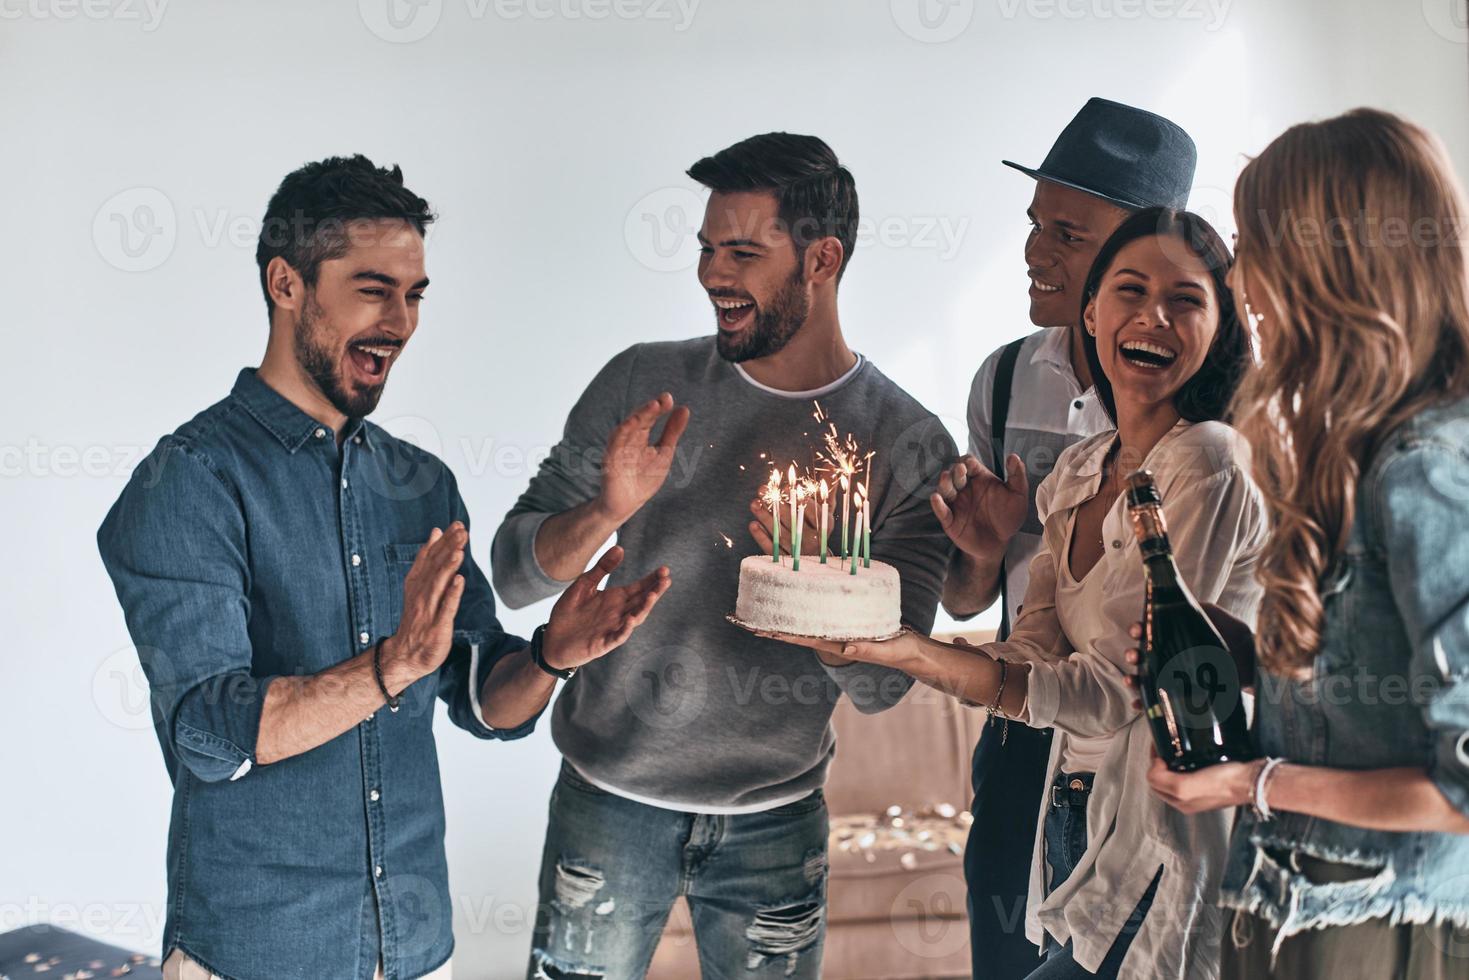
(1206, 396)
(306, 220)
(816, 194)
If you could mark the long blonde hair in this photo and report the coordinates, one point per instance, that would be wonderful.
(1352, 253)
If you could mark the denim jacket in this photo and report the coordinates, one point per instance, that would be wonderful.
(250, 546)
(1389, 688)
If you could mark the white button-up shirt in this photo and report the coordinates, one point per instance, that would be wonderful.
(1074, 639)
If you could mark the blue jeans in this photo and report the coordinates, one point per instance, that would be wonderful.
(1008, 781)
(1065, 844)
(612, 868)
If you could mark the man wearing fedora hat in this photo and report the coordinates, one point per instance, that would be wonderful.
(1030, 400)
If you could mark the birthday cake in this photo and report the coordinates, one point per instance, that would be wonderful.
(823, 600)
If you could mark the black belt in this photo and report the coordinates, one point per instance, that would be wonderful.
(1068, 790)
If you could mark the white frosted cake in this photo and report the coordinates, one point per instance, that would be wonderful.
(819, 600)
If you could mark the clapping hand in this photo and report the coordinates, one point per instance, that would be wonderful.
(978, 511)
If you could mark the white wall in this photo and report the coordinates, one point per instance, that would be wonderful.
(547, 137)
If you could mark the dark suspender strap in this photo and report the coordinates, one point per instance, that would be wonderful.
(999, 414)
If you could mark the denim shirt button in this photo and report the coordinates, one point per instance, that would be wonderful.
(374, 796)
(320, 433)
(363, 638)
(356, 560)
(378, 871)
(344, 483)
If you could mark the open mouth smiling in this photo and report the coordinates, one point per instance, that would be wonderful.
(1146, 354)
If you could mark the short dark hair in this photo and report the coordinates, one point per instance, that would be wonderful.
(1205, 397)
(817, 195)
(306, 220)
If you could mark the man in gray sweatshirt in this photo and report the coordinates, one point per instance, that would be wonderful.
(695, 756)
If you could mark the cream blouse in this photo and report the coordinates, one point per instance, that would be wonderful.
(1074, 636)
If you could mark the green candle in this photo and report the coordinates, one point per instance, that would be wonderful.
(771, 497)
(866, 538)
(846, 511)
(854, 549)
(825, 519)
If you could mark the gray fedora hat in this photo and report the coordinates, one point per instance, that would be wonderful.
(1129, 156)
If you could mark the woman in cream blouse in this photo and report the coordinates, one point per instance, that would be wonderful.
(1121, 884)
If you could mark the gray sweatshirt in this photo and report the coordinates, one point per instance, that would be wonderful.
(694, 712)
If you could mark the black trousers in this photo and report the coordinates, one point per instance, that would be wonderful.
(1008, 784)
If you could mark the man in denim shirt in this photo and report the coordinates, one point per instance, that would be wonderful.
(288, 570)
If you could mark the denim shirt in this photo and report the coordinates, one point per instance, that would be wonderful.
(1389, 688)
(251, 546)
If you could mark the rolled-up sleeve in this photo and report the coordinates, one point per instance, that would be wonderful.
(1423, 507)
(569, 476)
(1215, 523)
(174, 545)
(479, 644)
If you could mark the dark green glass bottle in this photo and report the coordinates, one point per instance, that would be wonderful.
(1190, 685)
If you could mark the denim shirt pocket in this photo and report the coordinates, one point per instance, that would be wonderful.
(397, 560)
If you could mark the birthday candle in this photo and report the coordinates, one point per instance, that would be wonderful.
(825, 518)
(867, 516)
(866, 532)
(795, 528)
(846, 509)
(854, 550)
(772, 500)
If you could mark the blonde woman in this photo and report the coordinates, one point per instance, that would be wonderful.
(1352, 861)
(1121, 885)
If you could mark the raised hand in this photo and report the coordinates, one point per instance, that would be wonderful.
(431, 594)
(587, 623)
(979, 512)
(634, 469)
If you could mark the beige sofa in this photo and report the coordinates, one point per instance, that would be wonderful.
(893, 912)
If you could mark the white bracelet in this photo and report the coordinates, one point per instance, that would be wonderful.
(1258, 803)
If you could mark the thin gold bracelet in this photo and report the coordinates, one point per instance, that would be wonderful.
(994, 709)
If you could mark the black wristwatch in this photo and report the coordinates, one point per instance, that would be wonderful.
(536, 640)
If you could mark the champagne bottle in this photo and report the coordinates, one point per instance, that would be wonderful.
(1189, 682)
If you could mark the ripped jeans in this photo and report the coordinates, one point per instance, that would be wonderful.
(612, 868)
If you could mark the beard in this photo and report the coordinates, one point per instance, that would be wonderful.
(774, 324)
(314, 355)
